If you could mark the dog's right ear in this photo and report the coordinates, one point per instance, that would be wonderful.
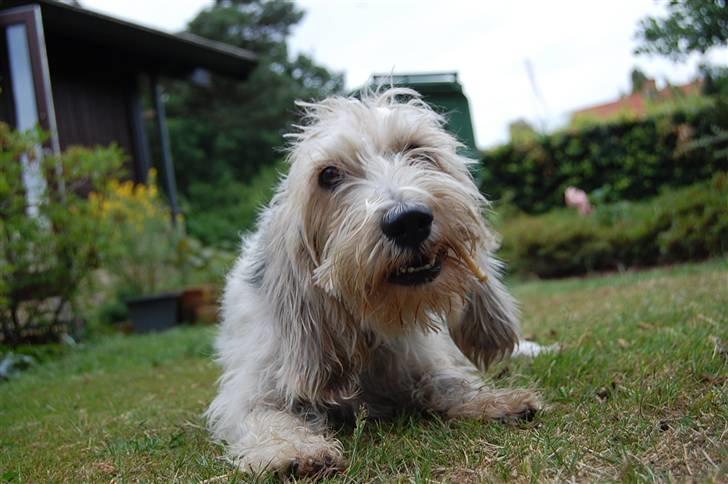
(488, 326)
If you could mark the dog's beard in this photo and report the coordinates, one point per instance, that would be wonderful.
(393, 290)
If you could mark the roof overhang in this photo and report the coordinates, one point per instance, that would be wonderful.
(167, 53)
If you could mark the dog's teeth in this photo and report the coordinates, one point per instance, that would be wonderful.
(412, 269)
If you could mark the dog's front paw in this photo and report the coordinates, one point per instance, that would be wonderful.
(317, 466)
(498, 405)
(512, 405)
(312, 456)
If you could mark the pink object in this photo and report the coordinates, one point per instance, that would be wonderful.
(578, 199)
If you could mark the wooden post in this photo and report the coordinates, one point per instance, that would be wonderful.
(168, 181)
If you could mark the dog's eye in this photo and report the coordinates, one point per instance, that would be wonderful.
(329, 177)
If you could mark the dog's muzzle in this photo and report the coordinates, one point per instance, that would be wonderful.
(408, 226)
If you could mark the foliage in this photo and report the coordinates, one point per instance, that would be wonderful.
(690, 26)
(146, 247)
(223, 211)
(147, 252)
(224, 134)
(638, 80)
(48, 245)
(521, 132)
(637, 393)
(715, 81)
(630, 160)
(686, 224)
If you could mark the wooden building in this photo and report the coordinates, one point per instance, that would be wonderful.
(79, 75)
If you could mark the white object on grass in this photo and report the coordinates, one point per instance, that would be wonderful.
(531, 349)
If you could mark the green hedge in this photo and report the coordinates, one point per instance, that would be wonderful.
(624, 161)
(690, 223)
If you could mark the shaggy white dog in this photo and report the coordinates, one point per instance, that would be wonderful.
(369, 281)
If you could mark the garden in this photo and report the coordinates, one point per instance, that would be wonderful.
(94, 250)
(108, 302)
(637, 390)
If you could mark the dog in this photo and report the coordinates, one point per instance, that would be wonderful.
(369, 281)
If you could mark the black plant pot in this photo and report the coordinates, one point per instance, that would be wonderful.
(154, 313)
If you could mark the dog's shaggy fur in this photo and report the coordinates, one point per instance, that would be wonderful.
(324, 312)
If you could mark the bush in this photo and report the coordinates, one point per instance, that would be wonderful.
(50, 241)
(223, 210)
(632, 160)
(143, 256)
(690, 223)
(147, 253)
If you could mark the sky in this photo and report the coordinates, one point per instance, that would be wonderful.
(579, 51)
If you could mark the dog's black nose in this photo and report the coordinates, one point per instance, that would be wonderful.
(407, 225)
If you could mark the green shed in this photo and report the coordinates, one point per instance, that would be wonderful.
(442, 91)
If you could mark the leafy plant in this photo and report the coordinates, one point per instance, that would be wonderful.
(147, 250)
(679, 225)
(50, 241)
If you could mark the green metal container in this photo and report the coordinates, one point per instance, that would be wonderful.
(442, 91)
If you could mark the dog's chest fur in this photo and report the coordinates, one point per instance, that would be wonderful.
(374, 382)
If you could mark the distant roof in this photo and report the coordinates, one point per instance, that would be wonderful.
(170, 52)
(636, 103)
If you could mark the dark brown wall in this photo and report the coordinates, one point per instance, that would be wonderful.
(92, 94)
(90, 109)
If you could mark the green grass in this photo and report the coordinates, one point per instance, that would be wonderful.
(639, 393)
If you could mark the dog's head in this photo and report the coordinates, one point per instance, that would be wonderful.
(388, 214)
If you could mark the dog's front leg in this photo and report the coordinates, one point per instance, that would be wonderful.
(279, 441)
(485, 330)
(457, 393)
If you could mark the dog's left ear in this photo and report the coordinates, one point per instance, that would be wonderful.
(488, 326)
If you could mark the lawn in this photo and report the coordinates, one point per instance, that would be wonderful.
(638, 392)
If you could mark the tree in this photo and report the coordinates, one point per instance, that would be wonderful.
(233, 128)
(227, 132)
(715, 81)
(690, 26)
(522, 132)
(638, 79)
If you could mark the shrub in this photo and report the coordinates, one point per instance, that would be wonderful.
(143, 253)
(685, 224)
(222, 211)
(147, 253)
(631, 160)
(50, 241)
